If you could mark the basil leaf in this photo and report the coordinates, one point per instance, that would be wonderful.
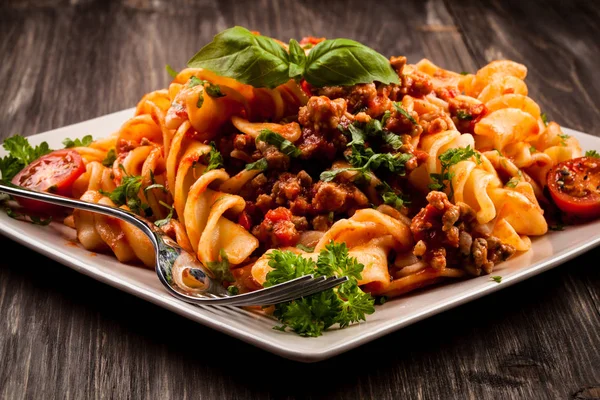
(297, 59)
(252, 59)
(346, 62)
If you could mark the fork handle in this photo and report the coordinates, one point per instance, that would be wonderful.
(82, 205)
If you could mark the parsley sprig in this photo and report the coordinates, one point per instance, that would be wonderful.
(20, 154)
(83, 142)
(447, 159)
(311, 315)
(592, 153)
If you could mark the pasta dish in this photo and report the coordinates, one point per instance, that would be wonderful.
(271, 160)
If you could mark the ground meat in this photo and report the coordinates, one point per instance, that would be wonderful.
(322, 113)
(278, 229)
(264, 202)
(399, 123)
(446, 236)
(293, 191)
(479, 254)
(398, 63)
(338, 197)
(320, 137)
(358, 97)
(322, 223)
(466, 113)
(244, 143)
(275, 158)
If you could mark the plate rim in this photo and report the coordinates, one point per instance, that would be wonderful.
(301, 355)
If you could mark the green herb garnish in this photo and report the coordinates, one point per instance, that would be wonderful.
(311, 315)
(215, 159)
(402, 111)
(544, 119)
(512, 183)
(275, 139)
(496, 279)
(262, 62)
(221, 268)
(305, 248)
(111, 156)
(592, 153)
(365, 160)
(260, 165)
(162, 222)
(83, 142)
(171, 71)
(20, 154)
(448, 158)
(128, 193)
(464, 116)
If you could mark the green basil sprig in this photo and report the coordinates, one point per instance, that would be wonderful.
(261, 61)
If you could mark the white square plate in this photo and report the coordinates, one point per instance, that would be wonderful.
(56, 241)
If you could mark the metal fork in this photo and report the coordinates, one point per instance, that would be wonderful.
(169, 253)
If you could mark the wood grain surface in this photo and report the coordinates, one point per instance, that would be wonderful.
(66, 336)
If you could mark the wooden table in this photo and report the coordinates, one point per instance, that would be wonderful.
(63, 335)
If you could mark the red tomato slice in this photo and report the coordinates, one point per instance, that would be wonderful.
(54, 173)
(575, 186)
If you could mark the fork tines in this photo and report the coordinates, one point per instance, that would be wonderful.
(287, 291)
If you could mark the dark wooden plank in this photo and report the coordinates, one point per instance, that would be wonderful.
(63, 335)
(558, 42)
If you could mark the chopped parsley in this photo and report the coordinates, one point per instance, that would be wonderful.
(390, 197)
(592, 153)
(260, 165)
(364, 160)
(275, 139)
(532, 149)
(233, 290)
(162, 222)
(215, 159)
(448, 158)
(26, 217)
(311, 315)
(563, 138)
(83, 142)
(512, 183)
(544, 119)
(171, 71)
(221, 268)
(496, 279)
(210, 88)
(402, 111)
(128, 193)
(305, 248)
(111, 156)
(463, 115)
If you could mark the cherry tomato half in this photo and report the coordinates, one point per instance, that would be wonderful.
(575, 186)
(54, 173)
